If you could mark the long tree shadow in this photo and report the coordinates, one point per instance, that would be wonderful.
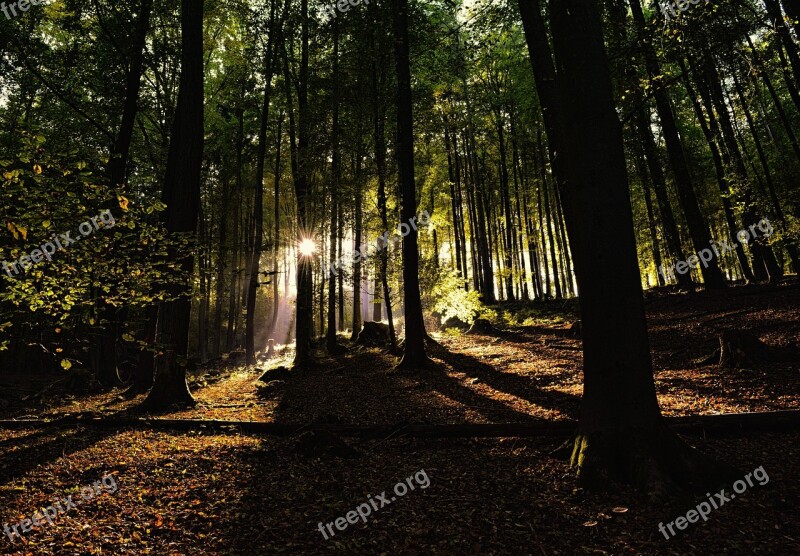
(19, 462)
(509, 383)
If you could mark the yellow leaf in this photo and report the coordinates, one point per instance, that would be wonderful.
(66, 364)
(37, 169)
(123, 202)
(12, 229)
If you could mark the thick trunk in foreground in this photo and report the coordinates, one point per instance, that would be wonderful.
(414, 353)
(622, 433)
(182, 197)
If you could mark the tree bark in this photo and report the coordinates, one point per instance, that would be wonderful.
(182, 197)
(698, 229)
(258, 201)
(414, 352)
(622, 433)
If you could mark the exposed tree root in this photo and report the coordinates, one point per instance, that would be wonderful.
(741, 349)
(412, 363)
(654, 460)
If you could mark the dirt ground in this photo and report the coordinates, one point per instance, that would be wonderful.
(202, 493)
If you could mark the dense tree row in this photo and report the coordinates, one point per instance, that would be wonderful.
(248, 145)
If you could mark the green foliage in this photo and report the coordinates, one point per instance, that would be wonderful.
(44, 194)
(443, 293)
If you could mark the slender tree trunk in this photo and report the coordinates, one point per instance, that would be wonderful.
(710, 134)
(182, 197)
(414, 352)
(506, 197)
(791, 248)
(453, 198)
(698, 229)
(276, 238)
(221, 267)
(638, 159)
(330, 338)
(202, 320)
(358, 241)
(103, 350)
(300, 161)
(382, 279)
(230, 342)
(258, 201)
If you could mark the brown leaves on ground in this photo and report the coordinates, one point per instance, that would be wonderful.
(229, 494)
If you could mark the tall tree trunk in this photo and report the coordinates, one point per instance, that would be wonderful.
(711, 131)
(222, 254)
(230, 342)
(202, 270)
(103, 350)
(414, 352)
(791, 248)
(638, 160)
(698, 229)
(622, 434)
(277, 236)
(506, 197)
(182, 197)
(358, 247)
(330, 338)
(453, 199)
(340, 275)
(300, 161)
(258, 201)
(671, 234)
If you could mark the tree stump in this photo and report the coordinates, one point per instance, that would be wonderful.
(740, 349)
(481, 326)
(575, 330)
(278, 373)
(454, 322)
(374, 334)
(271, 348)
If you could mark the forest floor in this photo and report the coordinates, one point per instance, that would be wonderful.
(212, 493)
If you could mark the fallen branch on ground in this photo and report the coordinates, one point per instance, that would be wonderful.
(727, 423)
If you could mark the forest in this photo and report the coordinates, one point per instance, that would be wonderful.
(525, 271)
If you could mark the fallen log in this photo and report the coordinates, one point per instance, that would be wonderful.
(726, 423)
